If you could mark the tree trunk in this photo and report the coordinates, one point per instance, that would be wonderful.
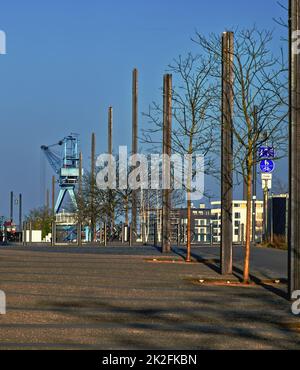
(248, 228)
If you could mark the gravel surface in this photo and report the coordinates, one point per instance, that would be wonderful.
(119, 298)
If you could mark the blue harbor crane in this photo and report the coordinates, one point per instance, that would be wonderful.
(64, 159)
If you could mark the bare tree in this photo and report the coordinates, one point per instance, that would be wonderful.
(98, 208)
(281, 21)
(194, 117)
(280, 186)
(260, 103)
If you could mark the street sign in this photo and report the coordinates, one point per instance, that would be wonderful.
(267, 166)
(266, 176)
(266, 180)
(266, 152)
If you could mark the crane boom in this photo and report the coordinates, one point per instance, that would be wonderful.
(53, 159)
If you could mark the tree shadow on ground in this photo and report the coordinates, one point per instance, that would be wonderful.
(214, 265)
(204, 320)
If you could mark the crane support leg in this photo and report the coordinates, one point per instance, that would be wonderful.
(60, 199)
(73, 198)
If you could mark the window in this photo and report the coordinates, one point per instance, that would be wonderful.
(237, 215)
(237, 223)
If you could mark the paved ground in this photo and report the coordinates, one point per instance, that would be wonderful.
(115, 298)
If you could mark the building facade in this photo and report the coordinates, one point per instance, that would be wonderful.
(278, 217)
(201, 225)
(239, 217)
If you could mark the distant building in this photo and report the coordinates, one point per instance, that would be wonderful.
(65, 218)
(201, 221)
(66, 229)
(33, 236)
(239, 216)
(278, 216)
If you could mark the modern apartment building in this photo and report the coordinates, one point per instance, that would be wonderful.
(201, 221)
(239, 215)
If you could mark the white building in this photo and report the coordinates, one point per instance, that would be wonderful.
(66, 218)
(35, 237)
(239, 215)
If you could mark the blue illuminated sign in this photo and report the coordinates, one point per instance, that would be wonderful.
(266, 152)
(267, 166)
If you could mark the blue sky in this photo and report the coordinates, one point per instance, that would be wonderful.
(67, 61)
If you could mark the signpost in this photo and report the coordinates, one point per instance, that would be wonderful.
(267, 167)
(266, 152)
(266, 179)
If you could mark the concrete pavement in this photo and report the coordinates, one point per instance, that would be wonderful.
(116, 298)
